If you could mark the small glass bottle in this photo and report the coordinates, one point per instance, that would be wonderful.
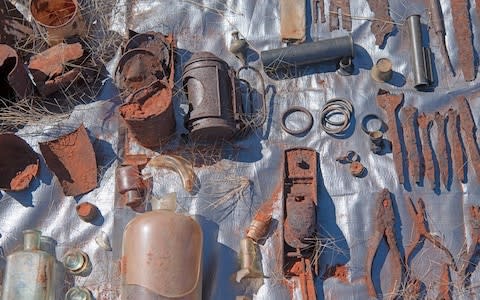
(162, 255)
(33, 273)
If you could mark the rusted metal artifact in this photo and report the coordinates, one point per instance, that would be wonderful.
(377, 143)
(300, 198)
(442, 155)
(421, 56)
(60, 19)
(352, 158)
(14, 80)
(19, 164)
(214, 101)
(334, 7)
(415, 166)
(336, 127)
(438, 26)
(130, 185)
(72, 159)
(295, 109)
(384, 222)
(318, 7)
(469, 130)
(390, 103)
(239, 47)
(34, 273)
(382, 23)
(444, 289)
(327, 50)
(422, 232)
(424, 124)
(453, 135)
(293, 21)
(87, 211)
(49, 68)
(382, 70)
(463, 36)
(146, 72)
(469, 254)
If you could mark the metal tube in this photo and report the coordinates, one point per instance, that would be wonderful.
(421, 57)
(332, 49)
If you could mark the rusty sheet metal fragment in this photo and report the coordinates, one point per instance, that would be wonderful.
(409, 126)
(469, 130)
(382, 23)
(390, 103)
(13, 26)
(292, 21)
(444, 290)
(439, 29)
(458, 163)
(344, 6)
(50, 69)
(300, 196)
(318, 7)
(14, 79)
(72, 158)
(384, 222)
(442, 154)
(463, 35)
(470, 252)
(424, 124)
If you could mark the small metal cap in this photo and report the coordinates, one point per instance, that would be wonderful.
(77, 262)
(87, 211)
(382, 71)
(357, 169)
(78, 293)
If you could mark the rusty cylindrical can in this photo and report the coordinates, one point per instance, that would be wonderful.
(60, 18)
(214, 104)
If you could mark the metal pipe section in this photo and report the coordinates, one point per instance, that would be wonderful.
(332, 49)
(421, 56)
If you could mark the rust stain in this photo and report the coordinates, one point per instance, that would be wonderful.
(463, 36)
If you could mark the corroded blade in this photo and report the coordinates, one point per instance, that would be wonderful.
(463, 35)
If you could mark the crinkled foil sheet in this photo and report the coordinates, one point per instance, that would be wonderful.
(224, 206)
